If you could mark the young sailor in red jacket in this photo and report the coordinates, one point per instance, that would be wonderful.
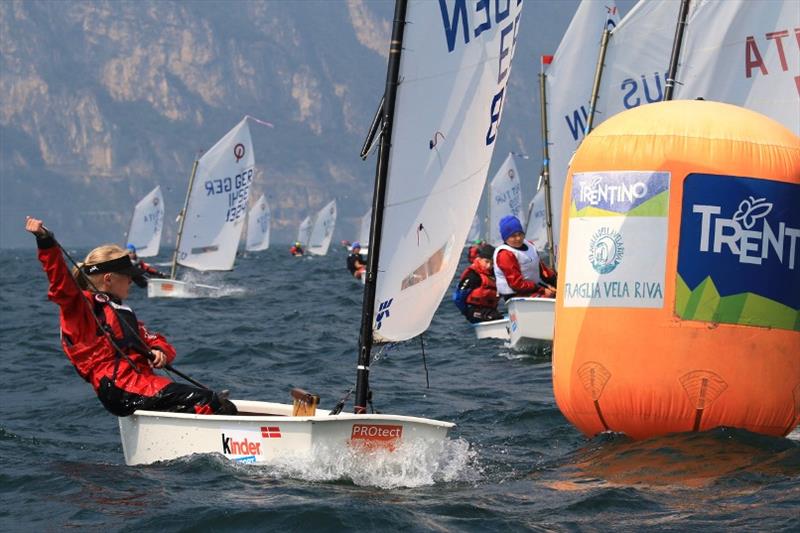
(105, 342)
(476, 293)
(517, 267)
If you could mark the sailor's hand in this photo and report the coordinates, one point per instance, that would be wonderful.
(159, 359)
(35, 226)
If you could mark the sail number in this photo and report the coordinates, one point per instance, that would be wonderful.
(236, 190)
(469, 21)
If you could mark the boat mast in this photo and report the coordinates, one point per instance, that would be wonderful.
(676, 50)
(174, 268)
(378, 199)
(548, 208)
(598, 75)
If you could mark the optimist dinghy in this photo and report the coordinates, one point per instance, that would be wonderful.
(425, 196)
(492, 329)
(531, 323)
(213, 214)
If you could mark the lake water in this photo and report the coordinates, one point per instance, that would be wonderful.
(513, 462)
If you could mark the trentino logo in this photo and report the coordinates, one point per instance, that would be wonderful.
(595, 192)
(605, 250)
(748, 233)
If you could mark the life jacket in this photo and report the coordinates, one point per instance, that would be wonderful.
(128, 367)
(486, 294)
(528, 265)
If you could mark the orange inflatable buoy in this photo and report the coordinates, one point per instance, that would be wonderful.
(678, 306)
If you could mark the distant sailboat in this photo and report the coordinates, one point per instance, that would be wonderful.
(213, 215)
(363, 234)
(147, 223)
(321, 234)
(304, 232)
(425, 198)
(505, 198)
(258, 222)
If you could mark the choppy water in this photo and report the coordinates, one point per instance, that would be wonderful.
(513, 463)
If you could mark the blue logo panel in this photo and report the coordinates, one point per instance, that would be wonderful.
(743, 236)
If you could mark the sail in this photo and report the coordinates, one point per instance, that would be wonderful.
(322, 233)
(637, 58)
(218, 202)
(147, 223)
(536, 228)
(258, 226)
(304, 232)
(744, 53)
(505, 198)
(363, 234)
(474, 230)
(454, 68)
(569, 86)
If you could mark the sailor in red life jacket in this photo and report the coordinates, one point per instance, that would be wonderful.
(149, 271)
(517, 267)
(472, 252)
(296, 249)
(476, 293)
(106, 343)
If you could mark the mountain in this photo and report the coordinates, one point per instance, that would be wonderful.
(103, 100)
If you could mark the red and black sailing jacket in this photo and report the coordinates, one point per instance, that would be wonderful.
(87, 346)
(486, 294)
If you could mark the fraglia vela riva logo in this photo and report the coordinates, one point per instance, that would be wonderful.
(605, 250)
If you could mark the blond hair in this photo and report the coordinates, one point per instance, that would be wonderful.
(101, 254)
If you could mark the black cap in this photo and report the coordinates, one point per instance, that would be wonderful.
(120, 265)
(486, 251)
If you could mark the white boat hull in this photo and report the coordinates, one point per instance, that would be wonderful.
(267, 433)
(492, 329)
(531, 322)
(172, 288)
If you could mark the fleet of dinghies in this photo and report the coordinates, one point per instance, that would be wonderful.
(426, 197)
(447, 85)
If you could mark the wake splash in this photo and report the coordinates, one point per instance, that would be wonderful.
(204, 279)
(410, 465)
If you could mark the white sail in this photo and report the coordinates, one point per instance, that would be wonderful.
(637, 58)
(744, 53)
(569, 86)
(505, 198)
(304, 232)
(218, 202)
(322, 233)
(474, 230)
(454, 69)
(536, 229)
(147, 223)
(258, 220)
(363, 234)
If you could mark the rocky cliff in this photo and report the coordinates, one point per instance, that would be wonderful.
(101, 101)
